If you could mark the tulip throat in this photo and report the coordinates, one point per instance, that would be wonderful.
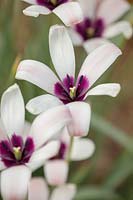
(16, 151)
(68, 91)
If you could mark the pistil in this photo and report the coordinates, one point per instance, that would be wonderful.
(17, 153)
(72, 92)
(90, 31)
(54, 2)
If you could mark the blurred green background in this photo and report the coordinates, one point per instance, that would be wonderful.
(108, 175)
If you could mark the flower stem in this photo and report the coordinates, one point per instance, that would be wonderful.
(70, 150)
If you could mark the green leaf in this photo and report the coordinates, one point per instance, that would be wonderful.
(104, 127)
(122, 168)
(96, 193)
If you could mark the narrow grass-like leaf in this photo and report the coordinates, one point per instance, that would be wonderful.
(122, 168)
(96, 193)
(104, 127)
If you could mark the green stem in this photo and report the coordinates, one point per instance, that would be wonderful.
(70, 150)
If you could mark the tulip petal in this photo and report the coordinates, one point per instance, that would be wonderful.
(2, 166)
(12, 110)
(2, 131)
(56, 172)
(49, 123)
(110, 89)
(92, 44)
(27, 127)
(82, 149)
(89, 7)
(99, 61)
(42, 103)
(79, 126)
(123, 27)
(36, 10)
(64, 192)
(14, 182)
(76, 38)
(39, 157)
(37, 73)
(111, 11)
(62, 52)
(70, 13)
(38, 189)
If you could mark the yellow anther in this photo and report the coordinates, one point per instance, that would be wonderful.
(90, 31)
(17, 153)
(54, 2)
(72, 92)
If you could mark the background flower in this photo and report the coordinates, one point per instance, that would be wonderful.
(101, 23)
(68, 11)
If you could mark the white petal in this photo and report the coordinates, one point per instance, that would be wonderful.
(99, 61)
(42, 103)
(30, 1)
(27, 127)
(62, 52)
(89, 7)
(14, 182)
(36, 10)
(110, 89)
(76, 38)
(56, 172)
(70, 13)
(12, 110)
(49, 123)
(82, 149)
(91, 44)
(110, 11)
(81, 115)
(37, 73)
(2, 166)
(64, 192)
(65, 137)
(38, 189)
(39, 157)
(2, 131)
(123, 27)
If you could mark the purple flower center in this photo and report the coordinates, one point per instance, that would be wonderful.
(90, 28)
(61, 153)
(67, 92)
(15, 151)
(51, 4)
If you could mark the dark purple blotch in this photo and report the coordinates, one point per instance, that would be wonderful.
(7, 150)
(62, 89)
(49, 4)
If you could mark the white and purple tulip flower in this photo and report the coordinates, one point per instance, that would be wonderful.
(24, 149)
(101, 23)
(56, 168)
(68, 11)
(38, 190)
(67, 89)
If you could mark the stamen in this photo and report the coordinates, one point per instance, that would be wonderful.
(17, 153)
(54, 2)
(72, 92)
(90, 31)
